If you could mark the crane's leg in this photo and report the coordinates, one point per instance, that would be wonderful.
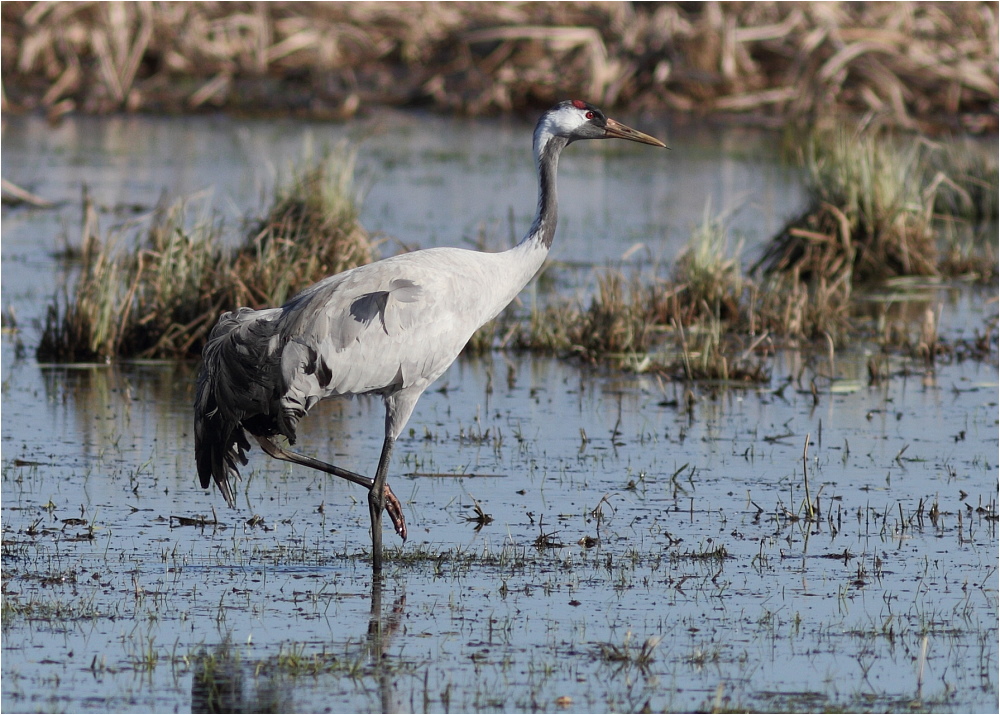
(377, 502)
(390, 502)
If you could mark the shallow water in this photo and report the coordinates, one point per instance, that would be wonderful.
(789, 615)
(641, 552)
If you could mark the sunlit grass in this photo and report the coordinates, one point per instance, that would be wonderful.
(880, 205)
(160, 296)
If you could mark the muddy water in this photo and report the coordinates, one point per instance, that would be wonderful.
(643, 549)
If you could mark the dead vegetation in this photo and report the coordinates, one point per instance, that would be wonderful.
(311, 231)
(879, 206)
(869, 216)
(916, 65)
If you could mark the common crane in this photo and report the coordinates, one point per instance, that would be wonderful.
(389, 328)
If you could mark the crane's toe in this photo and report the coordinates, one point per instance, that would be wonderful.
(394, 509)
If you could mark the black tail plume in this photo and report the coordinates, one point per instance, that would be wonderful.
(235, 386)
(220, 445)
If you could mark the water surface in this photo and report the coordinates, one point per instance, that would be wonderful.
(648, 547)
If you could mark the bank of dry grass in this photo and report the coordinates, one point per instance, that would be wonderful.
(914, 64)
(155, 288)
(882, 206)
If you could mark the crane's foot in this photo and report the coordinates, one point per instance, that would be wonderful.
(395, 511)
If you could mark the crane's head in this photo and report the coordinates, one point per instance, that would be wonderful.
(575, 119)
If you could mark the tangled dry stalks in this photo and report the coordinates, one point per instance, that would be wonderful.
(880, 205)
(915, 64)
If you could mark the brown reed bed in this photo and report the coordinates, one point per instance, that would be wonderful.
(916, 65)
(688, 326)
(883, 206)
(311, 231)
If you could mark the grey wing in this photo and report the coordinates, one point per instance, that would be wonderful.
(376, 331)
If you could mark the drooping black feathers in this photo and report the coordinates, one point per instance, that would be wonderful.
(238, 381)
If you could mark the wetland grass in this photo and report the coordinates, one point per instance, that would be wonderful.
(630, 322)
(159, 297)
(708, 272)
(868, 217)
(311, 231)
(627, 653)
(879, 205)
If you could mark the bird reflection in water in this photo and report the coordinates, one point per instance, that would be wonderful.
(220, 677)
(380, 633)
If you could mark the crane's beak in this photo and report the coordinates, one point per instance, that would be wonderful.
(617, 130)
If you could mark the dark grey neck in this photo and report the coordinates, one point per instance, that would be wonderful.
(547, 151)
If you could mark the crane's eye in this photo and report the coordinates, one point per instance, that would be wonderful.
(590, 115)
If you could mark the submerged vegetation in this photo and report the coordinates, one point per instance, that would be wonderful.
(881, 210)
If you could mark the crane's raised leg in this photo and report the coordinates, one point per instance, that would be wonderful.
(377, 502)
(389, 501)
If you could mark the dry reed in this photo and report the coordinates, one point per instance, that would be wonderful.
(879, 207)
(312, 231)
(914, 64)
